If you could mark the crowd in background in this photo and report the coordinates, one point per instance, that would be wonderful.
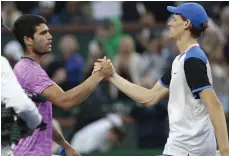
(141, 58)
(69, 12)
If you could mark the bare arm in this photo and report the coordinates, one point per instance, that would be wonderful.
(217, 117)
(58, 138)
(138, 93)
(78, 94)
(74, 96)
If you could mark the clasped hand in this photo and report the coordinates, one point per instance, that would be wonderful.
(104, 67)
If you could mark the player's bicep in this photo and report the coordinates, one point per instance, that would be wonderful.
(209, 97)
(54, 94)
(196, 75)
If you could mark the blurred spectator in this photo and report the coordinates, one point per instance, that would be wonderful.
(110, 37)
(225, 29)
(225, 20)
(168, 46)
(100, 135)
(102, 10)
(67, 72)
(213, 43)
(96, 51)
(214, 8)
(47, 60)
(57, 72)
(151, 125)
(134, 9)
(154, 61)
(147, 22)
(10, 13)
(127, 64)
(26, 6)
(98, 99)
(73, 13)
(129, 11)
(13, 52)
(73, 61)
(220, 82)
(46, 9)
(100, 35)
(159, 9)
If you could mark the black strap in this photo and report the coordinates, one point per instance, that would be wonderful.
(27, 58)
(35, 97)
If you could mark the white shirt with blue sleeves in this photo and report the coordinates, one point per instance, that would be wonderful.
(191, 131)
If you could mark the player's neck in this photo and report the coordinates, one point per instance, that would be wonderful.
(184, 43)
(33, 56)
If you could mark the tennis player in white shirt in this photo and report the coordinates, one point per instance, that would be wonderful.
(196, 116)
(13, 96)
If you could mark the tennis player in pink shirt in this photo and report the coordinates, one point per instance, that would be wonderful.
(33, 34)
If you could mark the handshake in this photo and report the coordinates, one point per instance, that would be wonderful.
(104, 68)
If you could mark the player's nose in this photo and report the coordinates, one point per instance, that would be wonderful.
(50, 37)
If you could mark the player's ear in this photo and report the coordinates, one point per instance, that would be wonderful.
(188, 25)
(28, 40)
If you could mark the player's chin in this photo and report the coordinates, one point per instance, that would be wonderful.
(46, 52)
(49, 50)
(171, 36)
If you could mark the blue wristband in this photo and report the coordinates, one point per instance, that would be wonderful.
(62, 152)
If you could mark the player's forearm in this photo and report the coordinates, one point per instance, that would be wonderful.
(78, 94)
(135, 92)
(58, 138)
(219, 122)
